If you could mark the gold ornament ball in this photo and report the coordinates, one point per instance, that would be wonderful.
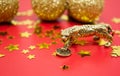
(49, 9)
(86, 11)
(8, 9)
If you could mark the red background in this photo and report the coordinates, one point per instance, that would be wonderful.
(100, 63)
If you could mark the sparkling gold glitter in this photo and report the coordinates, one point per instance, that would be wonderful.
(31, 56)
(8, 9)
(25, 51)
(84, 53)
(48, 9)
(12, 47)
(25, 34)
(115, 51)
(85, 10)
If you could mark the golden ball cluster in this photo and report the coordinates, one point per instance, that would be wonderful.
(8, 9)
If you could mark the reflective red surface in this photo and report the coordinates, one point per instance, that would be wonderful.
(100, 63)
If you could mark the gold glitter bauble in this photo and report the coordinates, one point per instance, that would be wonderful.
(85, 10)
(49, 9)
(8, 9)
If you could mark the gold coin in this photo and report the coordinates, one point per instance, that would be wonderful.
(48, 9)
(8, 9)
(85, 10)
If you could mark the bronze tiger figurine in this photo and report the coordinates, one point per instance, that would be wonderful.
(70, 34)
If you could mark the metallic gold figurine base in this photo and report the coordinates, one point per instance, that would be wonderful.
(69, 35)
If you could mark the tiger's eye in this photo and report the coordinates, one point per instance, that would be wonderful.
(48, 9)
(8, 9)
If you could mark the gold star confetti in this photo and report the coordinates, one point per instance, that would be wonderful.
(2, 55)
(25, 51)
(115, 51)
(10, 37)
(81, 42)
(101, 42)
(25, 13)
(43, 45)
(55, 27)
(25, 22)
(25, 34)
(54, 54)
(116, 20)
(65, 67)
(31, 56)
(12, 47)
(64, 17)
(3, 33)
(38, 30)
(84, 53)
(117, 32)
(32, 47)
(49, 33)
(0, 42)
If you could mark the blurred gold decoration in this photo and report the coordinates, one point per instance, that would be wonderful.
(1, 42)
(12, 47)
(64, 17)
(25, 13)
(115, 51)
(84, 53)
(48, 9)
(25, 51)
(64, 67)
(2, 55)
(31, 56)
(32, 47)
(54, 54)
(86, 11)
(116, 20)
(43, 45)
(81, 42)
(101, 42)
(25, 34)
(3, 33)
(8, 9)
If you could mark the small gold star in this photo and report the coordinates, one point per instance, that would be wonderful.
(43, 45)
(54, 54)
(32, 47)
(116, 20)
(84, 53)
(25, 34)
(101, 42)
(2, 55)
(12, 47)
(115, 51)
(31, 56)
(25, 51)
